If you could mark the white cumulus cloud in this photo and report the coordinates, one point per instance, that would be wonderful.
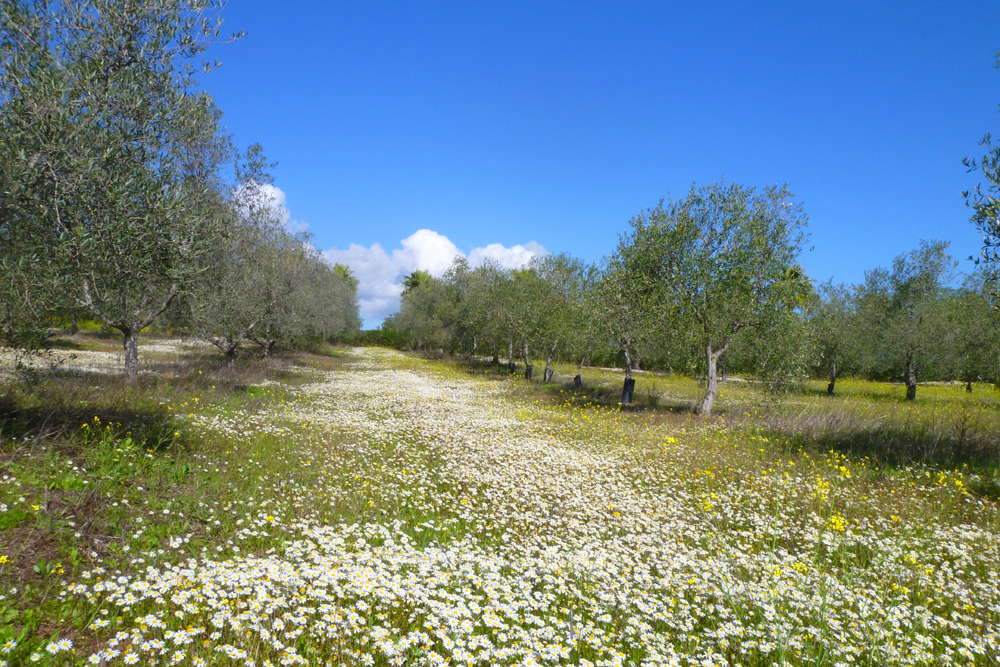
(380, 274)
(508, 258)
(279, 204)
(428, 251)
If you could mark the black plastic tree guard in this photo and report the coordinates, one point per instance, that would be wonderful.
(628, 390)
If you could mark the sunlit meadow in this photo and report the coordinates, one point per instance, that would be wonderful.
(395, 511)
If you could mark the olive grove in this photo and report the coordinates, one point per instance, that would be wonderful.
(111, 176)
(712, 281)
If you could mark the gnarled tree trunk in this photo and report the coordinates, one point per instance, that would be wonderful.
(266, 346)
(131, 326)
(911, 382)
(228, 348)
(131, 344)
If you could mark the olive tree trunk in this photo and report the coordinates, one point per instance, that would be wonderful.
(130, 327)
(911, 382)
(628, 389)
(578, 380)
(131, 344)
(229, 344)
(266, 346)
(228, 348)
(548, 362)
(713, 385)
(712, 390)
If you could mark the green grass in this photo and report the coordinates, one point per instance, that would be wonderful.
(944, 427)
(101, 479)
(94, 469)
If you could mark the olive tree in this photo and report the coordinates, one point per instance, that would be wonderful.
(242, 282)
(715, 266)
(621, 308)
(109, 144)
(584, 332)
(903, 313)
(314, 303)
(326, 301)
(39, 170)
(567, 281)
(984, 199)
(420, 310)
(973, 335)
(489, 309)
(833, 326)
(528, 312)
(454, 312)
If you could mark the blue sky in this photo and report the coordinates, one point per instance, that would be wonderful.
(504, 129)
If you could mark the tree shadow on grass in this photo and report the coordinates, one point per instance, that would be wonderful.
(53, 404)
(589, 395)
(72, 411)
(604, 396)
(62, 343)
(960, 444)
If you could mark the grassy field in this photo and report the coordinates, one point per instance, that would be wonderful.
(366, 507)
(946, 427)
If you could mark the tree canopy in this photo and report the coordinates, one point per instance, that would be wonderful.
(112, 193)
(984, 198)
(715, 265)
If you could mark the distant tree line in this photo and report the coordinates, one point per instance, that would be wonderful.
(706, 284)
(115, 203)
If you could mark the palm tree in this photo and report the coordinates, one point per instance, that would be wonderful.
(348, 275)
(414, 280)
(799, 286)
